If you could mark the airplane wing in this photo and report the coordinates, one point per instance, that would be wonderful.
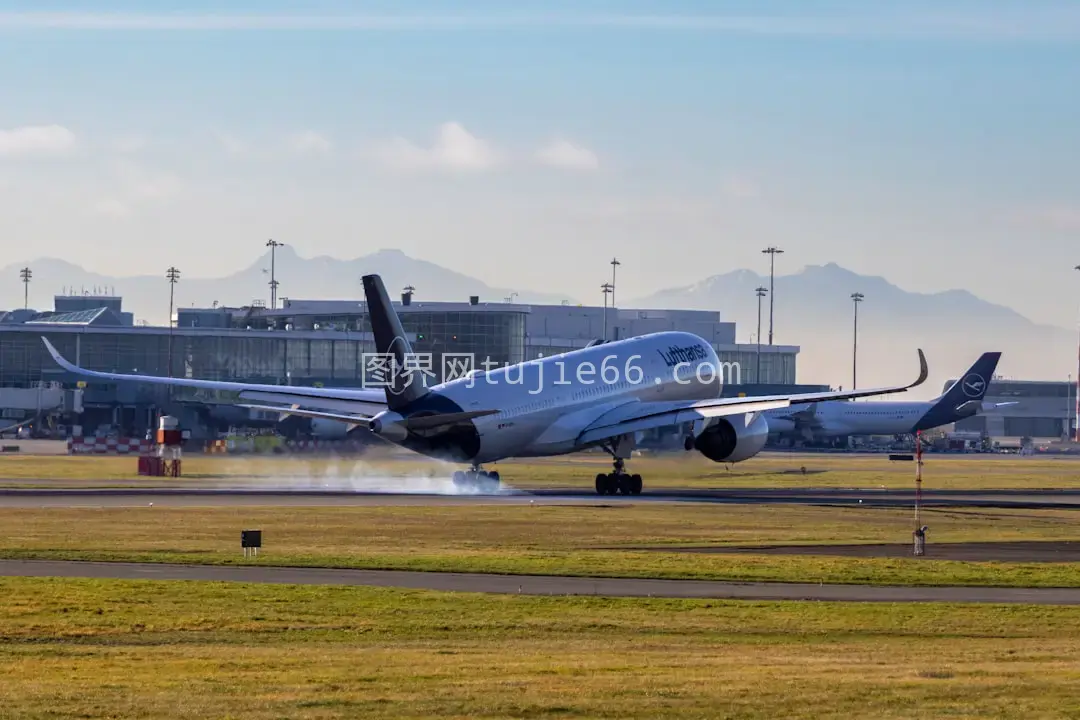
(423, 422)
(284, 412)
(638, 416)
(365, 401)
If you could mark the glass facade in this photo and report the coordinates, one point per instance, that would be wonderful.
(777, 368)
(331, 357)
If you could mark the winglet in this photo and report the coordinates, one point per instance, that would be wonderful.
(60, 358)
(924, 370)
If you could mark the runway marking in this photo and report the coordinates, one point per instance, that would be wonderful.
(535, 584)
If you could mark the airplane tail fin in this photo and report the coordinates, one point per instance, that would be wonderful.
(964, 397)
(399, 370)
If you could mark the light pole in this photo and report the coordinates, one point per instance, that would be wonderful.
(1068, 408)
(273, 245)
(772, 252)
(760, 294)
(26, 273)
(1076, 435)
(856, 298)
(173, 275)
(606, 288)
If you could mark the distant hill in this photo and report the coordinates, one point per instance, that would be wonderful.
(813, 309)
(318, 278)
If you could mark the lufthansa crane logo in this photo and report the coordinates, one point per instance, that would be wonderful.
(973, 385)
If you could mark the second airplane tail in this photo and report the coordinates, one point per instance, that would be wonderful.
(964, 397)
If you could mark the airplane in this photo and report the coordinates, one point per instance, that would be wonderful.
(962, 399)
(543, 407)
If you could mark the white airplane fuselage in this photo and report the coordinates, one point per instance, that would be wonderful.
(543, 404)
(855, 418)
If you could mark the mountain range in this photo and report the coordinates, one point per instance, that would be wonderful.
(812, 308)
(317, 278)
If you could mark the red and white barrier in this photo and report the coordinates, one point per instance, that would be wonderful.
(108, 446)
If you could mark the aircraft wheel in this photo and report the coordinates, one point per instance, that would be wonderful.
(608, 483)
(459, 479)
(601, 484)
(624, 484)
(635, 484)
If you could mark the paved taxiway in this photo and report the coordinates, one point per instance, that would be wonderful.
(209, 497)
(537, 584)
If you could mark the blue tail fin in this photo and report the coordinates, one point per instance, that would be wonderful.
(403, 385)
(964, 397)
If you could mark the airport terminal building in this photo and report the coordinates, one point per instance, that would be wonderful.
(313, 342)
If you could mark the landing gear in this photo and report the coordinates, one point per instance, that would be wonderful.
(477, 480)
(618, 481)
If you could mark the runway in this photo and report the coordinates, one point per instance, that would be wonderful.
(214, 497)
(538, 585)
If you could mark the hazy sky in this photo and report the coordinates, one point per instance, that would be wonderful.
(526, 142)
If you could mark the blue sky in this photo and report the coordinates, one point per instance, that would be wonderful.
(937, 144)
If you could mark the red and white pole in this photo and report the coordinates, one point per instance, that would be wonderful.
(918, 478)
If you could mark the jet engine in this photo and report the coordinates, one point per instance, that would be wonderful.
(733, 438)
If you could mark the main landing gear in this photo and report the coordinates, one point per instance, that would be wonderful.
(618, 481)
(477, 480)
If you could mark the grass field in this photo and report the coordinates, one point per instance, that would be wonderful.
(676, 470)
(93, 648)
(85, 648)
(587, 540)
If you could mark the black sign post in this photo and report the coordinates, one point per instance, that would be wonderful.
(251, 541)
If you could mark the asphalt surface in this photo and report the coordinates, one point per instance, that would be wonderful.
(210, 497)
(538, 585)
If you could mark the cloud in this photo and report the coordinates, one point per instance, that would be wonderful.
(563, 154)
(310, 142)
(36, 140)
(454, 149)
(1039, 21)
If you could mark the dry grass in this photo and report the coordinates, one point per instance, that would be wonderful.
(84, 648)
(590, 540)
(674, 470)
